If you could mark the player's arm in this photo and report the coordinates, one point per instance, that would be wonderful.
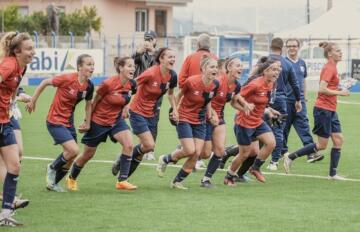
(30, 106)
(323, 88)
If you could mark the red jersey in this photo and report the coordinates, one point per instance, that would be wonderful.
(114, 96)
(256, 92)
(224, 94)
(330, 75)
(11, 75)
(68, 94)
(151, 87)
(192, 107)
(191, 65)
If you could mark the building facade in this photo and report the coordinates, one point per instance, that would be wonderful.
(124, 17)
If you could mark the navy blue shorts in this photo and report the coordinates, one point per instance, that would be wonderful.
(98, 133)
(326, 122)
(187, 130)
(15, 123)
(245, 136)
(141, 124)
(210, 129)
(60, 133)
(7, 136)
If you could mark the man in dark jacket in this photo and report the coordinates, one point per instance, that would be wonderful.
(144, 56)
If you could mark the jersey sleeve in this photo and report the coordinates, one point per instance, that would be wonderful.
(238, 87)
(59, 81)
(90, 91)
(173, 79)
(144, 77)
(103, 88)
(294, 83)
(327, 74)
(7, 67)
(184, 72)
(248, 89)
(133, 87)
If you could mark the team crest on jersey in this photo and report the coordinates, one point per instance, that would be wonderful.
(262, 94)
(302, 68)
(196, 93)
(83, 94)
(116, 93)
(72, 91)
(221, 94)
(155, 84)
(211, 94)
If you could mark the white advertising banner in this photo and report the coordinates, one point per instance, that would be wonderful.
(60, 60)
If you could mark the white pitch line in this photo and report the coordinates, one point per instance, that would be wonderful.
(348, 102)
(179, 166)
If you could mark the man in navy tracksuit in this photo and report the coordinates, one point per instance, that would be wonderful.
(286, 79)
(299, 120)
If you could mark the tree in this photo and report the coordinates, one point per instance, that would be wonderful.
(79, 22)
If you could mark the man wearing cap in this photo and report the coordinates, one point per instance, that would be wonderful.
(144, 56)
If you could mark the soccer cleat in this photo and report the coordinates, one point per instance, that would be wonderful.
(124, 185)
(287, 164)
(284, 155)
(273, 166)
(207, 184)
(50, 175)
(200, 164)
(9, 221)
(312, 158)
(149, 156)
(115, 169)
(229, 180)
(71, 184)
(161, 167)
(258, 175)
(178, 185)
(336, 177)
(242, 179)
(55, 188)
(20, 203)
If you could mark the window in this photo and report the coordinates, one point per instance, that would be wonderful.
(141, 20)
(23, 10)
(304, 54)
(318, 53)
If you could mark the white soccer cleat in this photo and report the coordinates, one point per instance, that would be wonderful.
(287, 164)
(161, 167)
(149, 156)
(178, 185)
(336, 177)
(273, 166)
(7, 220)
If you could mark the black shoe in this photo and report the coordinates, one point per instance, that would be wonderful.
(312, 158)
(242, 179)
(229, 180)
(207, 184)
(115, 167)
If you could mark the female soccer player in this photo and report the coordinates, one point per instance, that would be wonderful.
(216, 135)
(17, 51)
(71, 89)
(193, 104)
(252, 127)
(152, 85)
(15, 115)
(107, 120)
(326, 121)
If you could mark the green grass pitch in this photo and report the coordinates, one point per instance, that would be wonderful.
(283, 203)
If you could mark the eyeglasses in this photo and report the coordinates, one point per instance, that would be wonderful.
(292, 46)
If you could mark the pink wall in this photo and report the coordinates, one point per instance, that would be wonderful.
(118, 16)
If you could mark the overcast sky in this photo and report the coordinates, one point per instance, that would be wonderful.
(271, 15)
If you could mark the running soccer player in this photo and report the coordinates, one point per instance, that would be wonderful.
(216, 135)
(71, 89)
(17, 50)
(249, 128)
(152, 85)
(195, 95)
(107, 120)
(326, 121)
